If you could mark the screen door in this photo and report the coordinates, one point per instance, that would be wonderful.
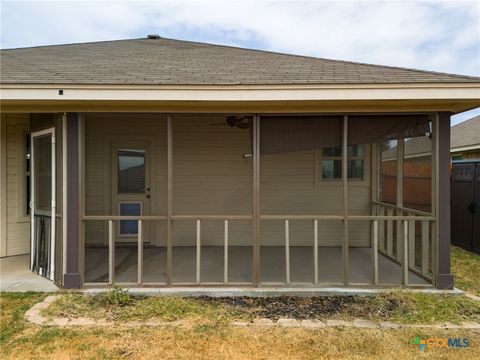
(42, 203)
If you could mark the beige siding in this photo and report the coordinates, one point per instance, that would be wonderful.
(17, 222)
(212, 177)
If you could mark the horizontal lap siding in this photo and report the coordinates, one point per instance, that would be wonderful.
(212, 178)
(101, 130)
(18, 228)
(288, 188)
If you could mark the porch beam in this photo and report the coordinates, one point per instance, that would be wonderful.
(72, 279)
(444, 275)
(345, 200)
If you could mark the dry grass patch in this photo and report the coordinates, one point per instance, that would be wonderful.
(236, 343)
(400, 307)
(12, 309)
(466, 270)
(164, 308)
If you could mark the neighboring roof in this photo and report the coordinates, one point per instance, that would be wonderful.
(175, 62)
(465, 134)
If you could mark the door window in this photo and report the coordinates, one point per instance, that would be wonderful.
(131, 171)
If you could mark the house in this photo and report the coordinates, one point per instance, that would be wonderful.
(160, 162)
(465, 140)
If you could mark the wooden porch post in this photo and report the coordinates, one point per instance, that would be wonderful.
(72, 279)
(169, 199)
(345, 200)
(256, 200)
(442, 213)
(3, 185)
(399, 200)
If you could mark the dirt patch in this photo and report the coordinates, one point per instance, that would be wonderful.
(308, 308)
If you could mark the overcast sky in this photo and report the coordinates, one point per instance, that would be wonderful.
(432, 35)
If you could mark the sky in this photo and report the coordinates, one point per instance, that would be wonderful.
(431, 35)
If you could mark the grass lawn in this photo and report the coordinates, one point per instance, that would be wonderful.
(208, 338)
(209, 334)
(466, 270)
(399, 307)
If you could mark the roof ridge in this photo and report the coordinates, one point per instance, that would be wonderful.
(468, 77)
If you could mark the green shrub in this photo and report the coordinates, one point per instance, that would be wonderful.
(117, 296)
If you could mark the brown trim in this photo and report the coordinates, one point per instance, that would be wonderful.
(256, 200)
(169, 230)
(72, 276)
(346, 274)
(444, 276)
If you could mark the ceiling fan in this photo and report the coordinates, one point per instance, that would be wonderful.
(233, 121)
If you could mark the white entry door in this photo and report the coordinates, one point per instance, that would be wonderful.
(131, 190)
(42, 204)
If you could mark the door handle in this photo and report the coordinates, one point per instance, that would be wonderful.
(471, 207)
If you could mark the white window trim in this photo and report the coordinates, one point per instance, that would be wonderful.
(321, 182)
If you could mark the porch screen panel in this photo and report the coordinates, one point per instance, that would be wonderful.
(292, 166)
(125, 168)
(212, 176)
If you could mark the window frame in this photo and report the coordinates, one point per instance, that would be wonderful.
(320, 181)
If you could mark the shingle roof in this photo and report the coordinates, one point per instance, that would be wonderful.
(165, 61)
(466, 133)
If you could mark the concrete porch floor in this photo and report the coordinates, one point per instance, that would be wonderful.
(15, 275)
(240, 265)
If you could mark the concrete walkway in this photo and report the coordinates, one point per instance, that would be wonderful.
(16, 276)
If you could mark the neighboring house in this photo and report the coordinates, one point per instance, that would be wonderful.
(173, 163)
(465, 140)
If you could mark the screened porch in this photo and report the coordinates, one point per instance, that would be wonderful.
(249, 200)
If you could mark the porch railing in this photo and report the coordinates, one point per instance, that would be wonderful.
(381, 231)
(426, 232)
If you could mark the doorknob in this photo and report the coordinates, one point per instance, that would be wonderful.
(148, 196)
